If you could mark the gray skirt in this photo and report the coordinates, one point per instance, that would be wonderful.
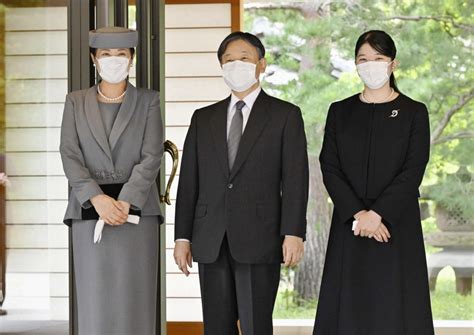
(116, 279)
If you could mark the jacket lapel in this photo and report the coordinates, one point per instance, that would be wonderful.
(95, 121)
(124, 115)
(257, 121)
(218, 125)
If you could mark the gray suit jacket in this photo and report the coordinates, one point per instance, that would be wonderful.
(131, 155)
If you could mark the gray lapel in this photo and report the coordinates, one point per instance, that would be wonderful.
(124, 115)
(95, 121)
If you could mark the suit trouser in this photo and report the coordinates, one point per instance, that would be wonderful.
(234, 291)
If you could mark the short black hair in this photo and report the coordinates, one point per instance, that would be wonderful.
(94, 50)
(239, 35)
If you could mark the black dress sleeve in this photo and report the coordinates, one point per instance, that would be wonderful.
(346, 202)
(405, 185)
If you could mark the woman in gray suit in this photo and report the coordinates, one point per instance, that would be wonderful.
(111, 149)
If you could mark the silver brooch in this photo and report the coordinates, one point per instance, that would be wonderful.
(394, 113)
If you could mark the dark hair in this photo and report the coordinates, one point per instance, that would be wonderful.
(383, 43)
(94, 50)
(239, 35)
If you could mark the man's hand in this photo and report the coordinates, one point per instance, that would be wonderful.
(183, 256)
(293, 249)
(109, 210)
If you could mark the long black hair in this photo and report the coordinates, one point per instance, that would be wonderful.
(384, 44)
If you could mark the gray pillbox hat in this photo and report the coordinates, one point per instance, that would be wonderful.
(113, 38)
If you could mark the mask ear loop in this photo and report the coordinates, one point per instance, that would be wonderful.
(94, 61)
(262, 75)
(392, 65)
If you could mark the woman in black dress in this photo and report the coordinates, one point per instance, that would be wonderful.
(374, 154)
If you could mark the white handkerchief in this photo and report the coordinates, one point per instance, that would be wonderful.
(354, 224)
(99, 226)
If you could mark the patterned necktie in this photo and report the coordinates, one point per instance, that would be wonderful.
(235, 133)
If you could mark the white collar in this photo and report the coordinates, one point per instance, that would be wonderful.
(249, 99)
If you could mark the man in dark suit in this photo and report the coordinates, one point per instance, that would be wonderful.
(242, 195)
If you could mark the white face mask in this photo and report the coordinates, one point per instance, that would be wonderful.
(113, 69)
(373, 74)
(238, 75)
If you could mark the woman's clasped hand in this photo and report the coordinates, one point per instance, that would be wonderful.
(369, 224)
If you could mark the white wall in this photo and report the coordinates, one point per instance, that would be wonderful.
(193, 80)
(36, 73)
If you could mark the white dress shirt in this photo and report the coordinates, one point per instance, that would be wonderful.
(249, 101)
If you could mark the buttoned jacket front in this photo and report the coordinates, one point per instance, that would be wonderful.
(131, 155)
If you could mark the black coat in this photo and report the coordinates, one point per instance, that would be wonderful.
(374, 157)
(261, 200)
